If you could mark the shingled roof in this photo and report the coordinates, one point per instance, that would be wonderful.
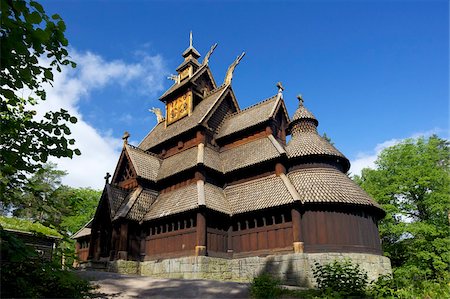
(116, 197)
(306, 141)
(258, 194)
(177, 163)
(141, 205)
(187, 198)
(328, 185)
(249, 117)
(145, 164)
(161, 133)
(250, 153)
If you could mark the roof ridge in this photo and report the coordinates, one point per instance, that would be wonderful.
(252, 106)
(215, 90)
(144, 151)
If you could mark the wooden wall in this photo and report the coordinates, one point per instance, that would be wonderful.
(182, 240)
(340, 231)
(266, 238)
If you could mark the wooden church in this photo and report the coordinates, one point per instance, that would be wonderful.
(212, 179)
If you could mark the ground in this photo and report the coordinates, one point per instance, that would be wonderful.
(113, 285)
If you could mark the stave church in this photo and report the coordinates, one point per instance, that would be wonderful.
(217, 191)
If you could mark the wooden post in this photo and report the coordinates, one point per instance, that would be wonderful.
(112, 252)
(92, 243)
(296, 229)
(98, 245)
(123, 242)
(200, 249)
(230, 239)
(143, 244)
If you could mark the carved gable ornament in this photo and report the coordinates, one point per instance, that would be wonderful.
(179, 108)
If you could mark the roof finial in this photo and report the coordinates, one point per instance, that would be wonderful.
(280, 87)
(206, 59)
(190, 39)
(300, 100)
(158, 113)
(229, 75)
(107, 176)
(125, 137)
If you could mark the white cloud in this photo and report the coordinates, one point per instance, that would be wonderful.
(367, 159)
(100, 151)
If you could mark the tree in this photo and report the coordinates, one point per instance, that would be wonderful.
(47, 201)
(412, 183)
(84, 202)
(27, 37)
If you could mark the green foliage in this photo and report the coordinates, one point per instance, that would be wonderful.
(388, 287)
(49, 202)
(23, 225)
(83, 203)
(265, 286)
(66, 209)
(340, 278)
(24, 275)
(32, 47)
(412, 183)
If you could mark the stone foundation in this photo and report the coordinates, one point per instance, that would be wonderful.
(293, 269)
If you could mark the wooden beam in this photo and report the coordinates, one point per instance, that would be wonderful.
(296, 230)
(123, 242)
(200, 248)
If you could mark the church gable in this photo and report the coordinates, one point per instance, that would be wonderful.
(125, 175)
(227, 106)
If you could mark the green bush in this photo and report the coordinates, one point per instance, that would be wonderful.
(388, 287)
(25, 275)
(340, 278)
(265, 286)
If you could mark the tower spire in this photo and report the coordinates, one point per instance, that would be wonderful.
(190, 39)
(300, 100)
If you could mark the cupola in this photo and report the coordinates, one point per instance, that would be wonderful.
(190, 64)
(306, 144)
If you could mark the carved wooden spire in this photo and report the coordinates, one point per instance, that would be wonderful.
(206, 59)
(125, 137)
(229, 75)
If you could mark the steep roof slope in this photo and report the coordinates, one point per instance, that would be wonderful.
(162, 133)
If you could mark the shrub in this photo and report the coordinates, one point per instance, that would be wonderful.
(388, 287)
(25, 275)
(265, 286)
(341, 278)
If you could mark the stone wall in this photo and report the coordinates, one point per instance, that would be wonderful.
(293, 269)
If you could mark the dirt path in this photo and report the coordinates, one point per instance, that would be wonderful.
(113, 285)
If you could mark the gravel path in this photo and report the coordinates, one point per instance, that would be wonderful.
(113, 285)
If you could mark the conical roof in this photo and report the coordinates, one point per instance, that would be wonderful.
(306, 141)
(302, 113)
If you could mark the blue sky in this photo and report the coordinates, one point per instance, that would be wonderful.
(372, 72)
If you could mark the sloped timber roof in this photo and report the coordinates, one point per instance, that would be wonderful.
(116, 197)
(311, 144)
(248, 117)
(84, 231)
(258, 194)
(161, 133)
(328, 185)
(250, 153)
(145, 164)
(140, 207)
(306, 185)
(177, 163)
(188, 198)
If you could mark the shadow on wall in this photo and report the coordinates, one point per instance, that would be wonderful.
(287, 271)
